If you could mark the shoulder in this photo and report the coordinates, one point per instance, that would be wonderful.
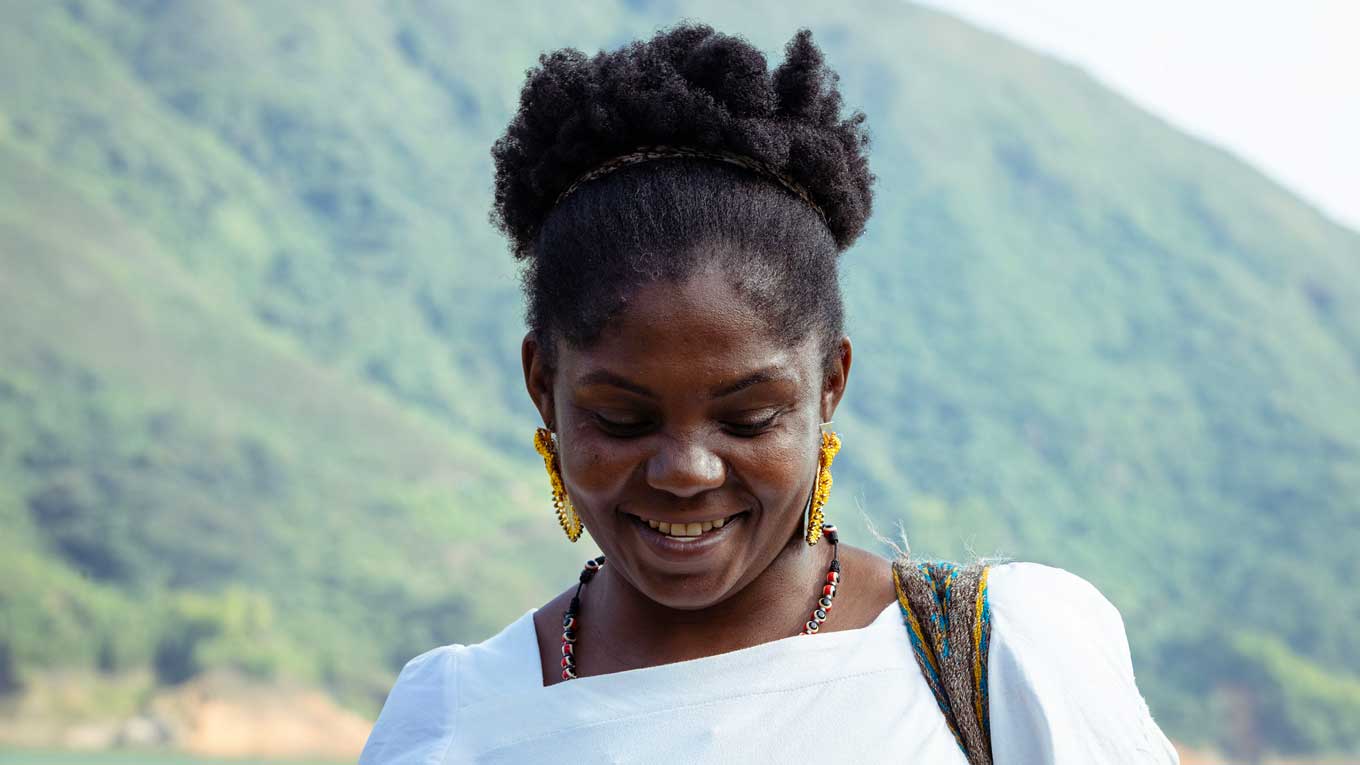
(1061, 682)
(418, 720)
(547, 626)
(1026, 598)
(1042, 616)
(868, 588)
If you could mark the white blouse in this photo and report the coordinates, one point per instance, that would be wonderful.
(1061, 691)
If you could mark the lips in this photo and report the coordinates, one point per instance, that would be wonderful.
(687, 529)
(681, 553)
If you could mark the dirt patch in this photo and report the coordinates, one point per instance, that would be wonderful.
(220, 716)
(215, 715)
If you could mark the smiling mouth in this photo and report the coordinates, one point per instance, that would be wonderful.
(689, 530)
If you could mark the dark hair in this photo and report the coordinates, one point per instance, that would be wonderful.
(663, 219)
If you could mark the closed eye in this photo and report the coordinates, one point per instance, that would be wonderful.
(622, 428)
(752, 427)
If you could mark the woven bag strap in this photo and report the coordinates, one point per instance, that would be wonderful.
(944, 606)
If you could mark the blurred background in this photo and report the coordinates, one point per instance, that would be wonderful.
(263, 436)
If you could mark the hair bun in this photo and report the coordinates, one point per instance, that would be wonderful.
(687, 86)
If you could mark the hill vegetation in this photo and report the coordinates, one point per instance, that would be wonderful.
(260, 403)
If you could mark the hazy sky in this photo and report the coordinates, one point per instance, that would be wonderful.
(1277, 83)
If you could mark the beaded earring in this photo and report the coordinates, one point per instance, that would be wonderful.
(566, 514)
(831, 443)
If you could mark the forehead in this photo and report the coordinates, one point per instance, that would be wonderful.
(698, 331)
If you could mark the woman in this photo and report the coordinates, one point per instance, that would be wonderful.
(680, 211)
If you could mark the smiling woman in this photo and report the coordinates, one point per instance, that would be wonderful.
(680, 212)
(684, 411)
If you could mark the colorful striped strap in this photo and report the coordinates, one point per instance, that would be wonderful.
(944, 606)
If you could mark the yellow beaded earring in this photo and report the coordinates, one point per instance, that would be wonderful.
(831, 443)
(566, 514)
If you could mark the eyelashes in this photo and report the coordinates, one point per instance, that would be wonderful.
(617, 429)
(748, 428)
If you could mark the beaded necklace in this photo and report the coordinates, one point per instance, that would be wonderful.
(592, 566)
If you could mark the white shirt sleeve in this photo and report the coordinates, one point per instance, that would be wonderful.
(415, 726)
(1060, 678)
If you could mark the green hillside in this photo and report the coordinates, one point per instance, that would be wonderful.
(260, 404)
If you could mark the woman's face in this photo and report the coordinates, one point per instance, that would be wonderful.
(687, 413)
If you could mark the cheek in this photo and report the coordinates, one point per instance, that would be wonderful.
(776, 469)
(596, 468)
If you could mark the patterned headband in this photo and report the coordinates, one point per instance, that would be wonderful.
(648, 153)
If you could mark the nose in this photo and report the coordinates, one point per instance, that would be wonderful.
(685, 467)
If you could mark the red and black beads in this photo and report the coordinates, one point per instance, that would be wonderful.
(569, 619)
(833, 580)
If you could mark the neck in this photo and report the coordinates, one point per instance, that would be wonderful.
(631, 630)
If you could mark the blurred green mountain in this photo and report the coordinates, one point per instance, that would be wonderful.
(260, 404)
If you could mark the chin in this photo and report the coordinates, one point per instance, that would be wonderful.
(692, 593)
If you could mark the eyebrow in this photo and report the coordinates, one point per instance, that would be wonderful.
(606, 377)
(755, 378)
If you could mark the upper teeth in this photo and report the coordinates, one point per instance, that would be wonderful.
(687, 529)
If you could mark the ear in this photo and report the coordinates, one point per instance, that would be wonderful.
(835, 378)
(538, 378)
